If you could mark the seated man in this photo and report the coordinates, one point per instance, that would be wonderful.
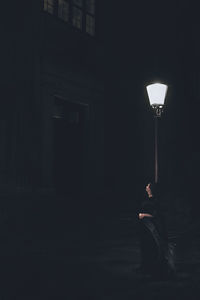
(156, 258)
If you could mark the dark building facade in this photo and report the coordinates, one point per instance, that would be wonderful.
(53, 97)
(74, 111)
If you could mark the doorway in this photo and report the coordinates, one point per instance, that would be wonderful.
(69, 131)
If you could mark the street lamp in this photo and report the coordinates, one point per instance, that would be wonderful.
(157, 93)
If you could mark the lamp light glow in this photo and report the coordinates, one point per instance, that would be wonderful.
(157, 93)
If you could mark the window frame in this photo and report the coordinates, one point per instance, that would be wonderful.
(62, 18)
(69, 21)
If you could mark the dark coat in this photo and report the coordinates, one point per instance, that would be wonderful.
(156, 254)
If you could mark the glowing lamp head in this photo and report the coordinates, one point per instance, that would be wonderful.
(157, 93)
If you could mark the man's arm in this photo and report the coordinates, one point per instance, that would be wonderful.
(142, 215)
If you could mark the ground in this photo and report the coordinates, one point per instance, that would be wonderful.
(48, 255)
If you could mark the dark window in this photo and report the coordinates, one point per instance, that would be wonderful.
(77, 17)
(79, 13)
(90, 25)
(90, 17)
(63, 10)
(90, 6)
(49, 6)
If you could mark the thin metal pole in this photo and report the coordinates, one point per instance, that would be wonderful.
(156, 149)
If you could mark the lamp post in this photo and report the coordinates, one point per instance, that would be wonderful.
(157, 93)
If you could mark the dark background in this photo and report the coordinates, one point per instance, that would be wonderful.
(151, 41)
(135, 43)
(51, 73)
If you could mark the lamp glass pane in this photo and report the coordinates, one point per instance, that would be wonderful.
(157, 93)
